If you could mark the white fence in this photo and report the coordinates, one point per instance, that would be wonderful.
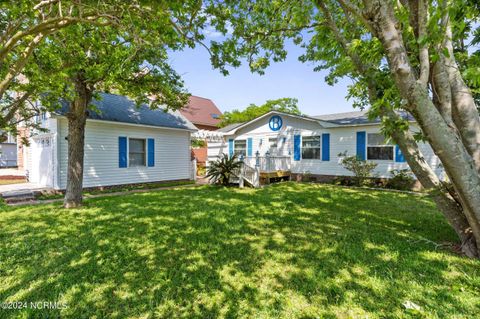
(269, 163)
(249, 174)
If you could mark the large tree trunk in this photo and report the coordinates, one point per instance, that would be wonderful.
(443, 138)
(445, 202)
(464, 111)
(77, 117)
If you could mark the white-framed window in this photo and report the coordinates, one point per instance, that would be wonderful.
(240, 147)
(378, 148)
(137, 152)
(310, 147)
(272, 141)
(273, 145)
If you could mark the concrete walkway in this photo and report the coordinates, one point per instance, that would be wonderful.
(20, 187)
(87, 196)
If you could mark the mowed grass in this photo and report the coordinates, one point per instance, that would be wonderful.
(285, 251)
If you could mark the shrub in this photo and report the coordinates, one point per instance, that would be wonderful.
(201, 170)
(224, 168)
(343, 181)
(362, 170)
(401, 179)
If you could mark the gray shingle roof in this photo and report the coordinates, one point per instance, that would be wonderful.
(229, 127)
(117, 108)
(355, 118)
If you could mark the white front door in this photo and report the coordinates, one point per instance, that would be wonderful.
(42, 161)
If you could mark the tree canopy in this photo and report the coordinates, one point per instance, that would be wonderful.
(24, 27)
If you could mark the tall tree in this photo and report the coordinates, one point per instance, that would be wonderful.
(130, 58)
(401, 55)
(286, 105)
(24, 25)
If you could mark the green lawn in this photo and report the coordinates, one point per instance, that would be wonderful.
(286, 251)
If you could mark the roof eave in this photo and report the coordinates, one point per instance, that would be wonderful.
(134, 124)
(302, 117)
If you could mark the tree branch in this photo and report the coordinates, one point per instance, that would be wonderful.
(44, 3)
(53, 24)
(20, 63)
(423, 46)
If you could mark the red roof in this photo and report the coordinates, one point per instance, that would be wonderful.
(201, 111)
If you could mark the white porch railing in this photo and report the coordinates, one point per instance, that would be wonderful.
(268, 163)
(251, 168)
(249, 174)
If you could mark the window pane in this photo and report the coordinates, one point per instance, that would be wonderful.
(240, 147)
(376, 139)
(380, 153)
(240, 144)
(311, 147)
(311, 153)
(137, 145)
(272, 142)
(136, 152)
(311, 141)
(137, 159)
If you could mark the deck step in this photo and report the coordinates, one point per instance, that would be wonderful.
(18, 196)
(15, 200)
(17, 193)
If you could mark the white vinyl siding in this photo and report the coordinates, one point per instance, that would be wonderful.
(378, 148)
(172, 155)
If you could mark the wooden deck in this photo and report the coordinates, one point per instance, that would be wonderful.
(268, 177)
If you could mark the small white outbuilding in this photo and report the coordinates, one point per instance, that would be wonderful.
(124, 144)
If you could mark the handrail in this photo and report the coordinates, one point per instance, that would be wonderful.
(269, 163)
(251, 175)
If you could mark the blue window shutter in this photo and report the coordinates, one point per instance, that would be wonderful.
(151, 152)
(122, 151)
(296, 147)
(361, 145)
(399, 155)
(325, 147)
(230, 147)
(249, 146)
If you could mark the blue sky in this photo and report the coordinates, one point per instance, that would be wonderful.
(290, 78)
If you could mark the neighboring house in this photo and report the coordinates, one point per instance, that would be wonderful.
(314, 145)
(123, 145)
(8, 150)
(202, 112)
(205, 115)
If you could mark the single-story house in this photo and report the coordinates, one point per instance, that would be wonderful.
(315, 145)
(124, 144)
(8, 150)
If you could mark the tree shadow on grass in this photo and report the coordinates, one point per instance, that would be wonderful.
(289, 250)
